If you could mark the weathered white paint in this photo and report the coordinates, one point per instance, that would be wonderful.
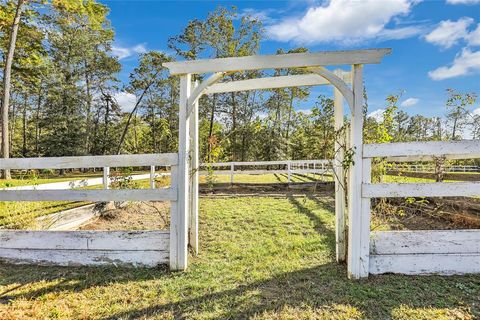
(415, 151)
(340, 227)
(193, 223)
(301, 80)
(425, 242)
(134, 258)
(183, 175)
(167, 194)
(444, 264)
(365, 221)
(174, 222)
(69, 248)
(354, 265)
(291, 60)
(85, 240)
(123, 160)
(434, 189)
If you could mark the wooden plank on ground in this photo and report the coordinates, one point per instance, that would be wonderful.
(425, 242)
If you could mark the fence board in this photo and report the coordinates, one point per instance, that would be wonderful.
(445, 264)
(85, 240)
(140, 258)
(124, 160)
(415, 151)
(168, 194)
(434, 189)
(425, 242)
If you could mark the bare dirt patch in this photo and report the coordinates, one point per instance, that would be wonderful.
(133, 216)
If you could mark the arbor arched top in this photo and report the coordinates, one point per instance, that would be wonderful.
(337, 83)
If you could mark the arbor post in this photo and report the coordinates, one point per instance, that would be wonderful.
(179, 220)
(358, 219)
(193, 223)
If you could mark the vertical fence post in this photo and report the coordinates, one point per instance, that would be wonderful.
(181, 223)
(354, 265)
(174, 221)
(340, 229)
(232, 172)
(365, 222)
(106, 175)
(152, 177)
(289, 171)
(193, 223)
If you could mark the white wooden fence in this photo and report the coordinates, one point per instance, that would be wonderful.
(425, 251)
(137, 248)
(289, 167)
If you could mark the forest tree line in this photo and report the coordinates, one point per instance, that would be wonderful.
(61, 99)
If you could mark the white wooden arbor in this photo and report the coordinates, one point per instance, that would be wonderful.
(348, 85)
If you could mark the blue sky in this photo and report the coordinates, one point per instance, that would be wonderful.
(436, 44)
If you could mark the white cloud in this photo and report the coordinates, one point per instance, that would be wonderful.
(261, 15)
(474, 37)
(465, 63)
(377, 115)
(463, 1)
(125, 52)
(448, 32)
(476, 112)
(347, 21)
(409, 102)
(125, 100)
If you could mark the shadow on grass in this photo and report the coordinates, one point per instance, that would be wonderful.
(319, 224)
(323, 286)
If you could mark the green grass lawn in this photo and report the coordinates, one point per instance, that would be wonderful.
(260, 258)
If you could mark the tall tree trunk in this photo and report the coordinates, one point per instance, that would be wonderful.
(7, 73)
(24, 129)
(107, 123)
(37, 122)
(88, 119)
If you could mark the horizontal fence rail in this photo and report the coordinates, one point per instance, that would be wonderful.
(76, 248)
(124, 160)
(425, 252)
(167, 194)
(433, 189)
(417, 151)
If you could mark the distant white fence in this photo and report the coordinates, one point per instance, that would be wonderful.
(425, 251)
(137, 248)
(290, 167)
(431, 168)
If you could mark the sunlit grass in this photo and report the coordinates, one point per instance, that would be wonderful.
(260, 258)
